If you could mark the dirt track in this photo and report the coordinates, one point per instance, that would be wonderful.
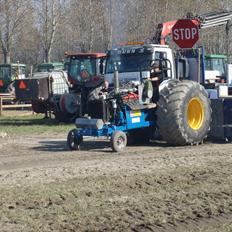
(45, 187)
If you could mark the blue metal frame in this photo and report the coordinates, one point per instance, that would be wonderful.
(128, 120)
(203, 64)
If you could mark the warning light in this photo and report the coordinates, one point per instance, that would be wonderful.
(1, 83)
(22, 85)
(130, 43)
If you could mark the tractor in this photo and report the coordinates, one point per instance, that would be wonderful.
(85, 75)
(182, 114)
(217, 64)
(126, 111)
(8, 74)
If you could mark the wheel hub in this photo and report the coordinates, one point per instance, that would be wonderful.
(120, 142)
(195, 113)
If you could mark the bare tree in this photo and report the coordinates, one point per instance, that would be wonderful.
(55, 26)
(12, 15)
(49, 13)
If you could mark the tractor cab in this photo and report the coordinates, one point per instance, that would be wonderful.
(84, 67)
(217, 64)
(85, 77)
(134, 61)
(9, 73)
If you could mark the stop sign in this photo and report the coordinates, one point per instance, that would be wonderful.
(185, 33)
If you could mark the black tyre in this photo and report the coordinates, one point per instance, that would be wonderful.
(183, 113)
(63, 117)
(39, 107)
(118, 141)
(73, 140)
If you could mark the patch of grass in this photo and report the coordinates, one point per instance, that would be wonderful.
(32, 124)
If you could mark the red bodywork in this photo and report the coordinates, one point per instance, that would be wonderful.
(130, 96)
(94, 55)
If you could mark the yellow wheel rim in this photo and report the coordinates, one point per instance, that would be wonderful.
(195, 113)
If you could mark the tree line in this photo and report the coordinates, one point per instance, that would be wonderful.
(34, 31)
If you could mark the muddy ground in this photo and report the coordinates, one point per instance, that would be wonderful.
(46, 187)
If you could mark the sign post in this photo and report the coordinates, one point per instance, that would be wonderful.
(185, 33)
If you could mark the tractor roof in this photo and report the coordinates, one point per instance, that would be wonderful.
(13, 64)
(52, 64)
(88, 55)
(218, 56)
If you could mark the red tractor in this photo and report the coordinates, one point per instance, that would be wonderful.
(85, 76)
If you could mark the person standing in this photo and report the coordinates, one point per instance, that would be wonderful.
(155, 77)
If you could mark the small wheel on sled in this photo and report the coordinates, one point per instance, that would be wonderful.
(74, 141)
(118, 141)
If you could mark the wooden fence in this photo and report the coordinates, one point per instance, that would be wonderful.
(4, 98)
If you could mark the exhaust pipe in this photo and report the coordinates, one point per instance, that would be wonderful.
(116, 81)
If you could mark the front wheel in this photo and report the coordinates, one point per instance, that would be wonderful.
(74, 141)
(118, 141)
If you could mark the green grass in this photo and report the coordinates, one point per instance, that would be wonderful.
(33, 124)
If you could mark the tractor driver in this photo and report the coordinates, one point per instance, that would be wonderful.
(155, 77)
(84, 72)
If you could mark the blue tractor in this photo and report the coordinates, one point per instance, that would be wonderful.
(191, 100)
(126, 112)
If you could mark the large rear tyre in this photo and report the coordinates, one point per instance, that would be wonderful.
(183, 113)
(118, 141)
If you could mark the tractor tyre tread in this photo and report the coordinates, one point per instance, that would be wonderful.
(172, 113)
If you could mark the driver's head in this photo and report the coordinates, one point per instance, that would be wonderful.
(156, 66)
(82, 67)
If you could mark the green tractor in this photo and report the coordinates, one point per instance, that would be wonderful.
(9, 73)
(216, 64)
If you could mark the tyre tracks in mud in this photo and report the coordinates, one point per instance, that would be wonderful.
(45, 159)
(45, 187)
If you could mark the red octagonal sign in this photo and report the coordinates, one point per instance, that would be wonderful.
(185, 33)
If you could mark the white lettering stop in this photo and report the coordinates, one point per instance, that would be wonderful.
(184, 33)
